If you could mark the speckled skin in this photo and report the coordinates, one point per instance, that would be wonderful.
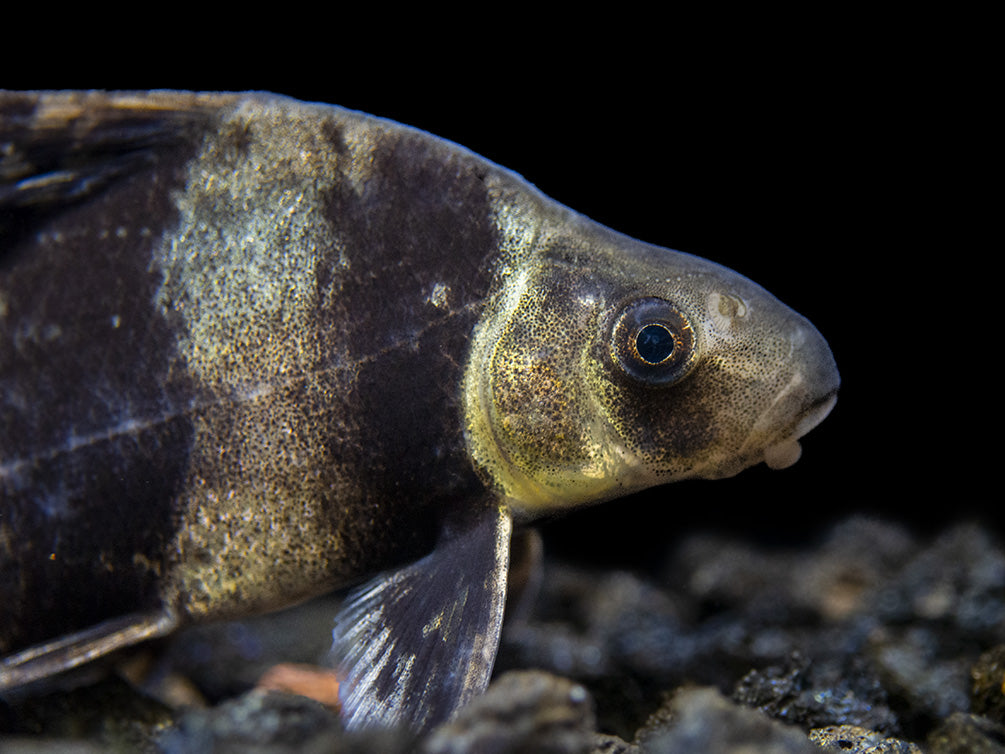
(253, 349)
(220, 368)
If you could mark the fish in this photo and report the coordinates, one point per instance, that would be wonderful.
(254, 350)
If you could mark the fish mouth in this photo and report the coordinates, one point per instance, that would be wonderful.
(785, 452)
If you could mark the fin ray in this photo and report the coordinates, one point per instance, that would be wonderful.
(413, 645)
(59, 148)
(65, 653)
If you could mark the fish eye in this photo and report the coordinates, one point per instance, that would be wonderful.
(653, 342)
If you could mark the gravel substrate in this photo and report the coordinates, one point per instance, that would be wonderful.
(872, 639)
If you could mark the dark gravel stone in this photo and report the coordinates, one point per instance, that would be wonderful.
(526, 711)
(851, 739)
(110, 712)
(813, 695)
(962, 733)
(703, 720)
(987, 695)
(273, 722)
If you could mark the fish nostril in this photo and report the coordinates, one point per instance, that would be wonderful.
(726, 310)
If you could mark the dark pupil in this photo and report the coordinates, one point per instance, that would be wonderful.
(654, 343)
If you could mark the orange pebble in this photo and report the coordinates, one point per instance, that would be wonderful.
(306, 680)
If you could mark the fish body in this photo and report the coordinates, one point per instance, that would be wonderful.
(253, 350)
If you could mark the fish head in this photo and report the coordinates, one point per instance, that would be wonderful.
(608, 366)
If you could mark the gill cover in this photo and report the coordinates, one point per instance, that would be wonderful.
(603, 365)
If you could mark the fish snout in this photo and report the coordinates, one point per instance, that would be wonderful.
(804, 402)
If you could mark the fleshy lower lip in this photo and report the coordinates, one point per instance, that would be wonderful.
(783, 454)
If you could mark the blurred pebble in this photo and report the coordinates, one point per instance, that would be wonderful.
(522, 711)
(703, 720)
(987, 695)
(962, 733)
(277, 723)
(311, 681)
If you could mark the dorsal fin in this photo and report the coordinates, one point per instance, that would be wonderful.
(58, 148)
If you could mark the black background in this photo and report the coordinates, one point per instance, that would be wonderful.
(832, 172)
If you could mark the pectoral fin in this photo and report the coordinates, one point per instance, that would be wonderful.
(70, 651)
(412, 646)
